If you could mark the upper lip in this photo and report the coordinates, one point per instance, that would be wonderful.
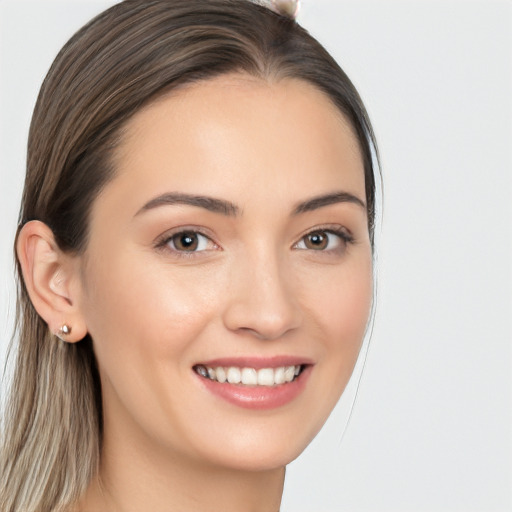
(257, 362)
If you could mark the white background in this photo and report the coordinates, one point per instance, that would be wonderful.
(432, 426)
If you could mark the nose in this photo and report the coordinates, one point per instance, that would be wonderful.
(262, 300)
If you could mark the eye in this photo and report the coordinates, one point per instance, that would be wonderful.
(324, 240)
(188, 241)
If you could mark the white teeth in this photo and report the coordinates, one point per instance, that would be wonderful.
(202, 371)
(279, 375)
(234, 375)
(250, 376)
(289, 373)
(220, 374)
(266, 377)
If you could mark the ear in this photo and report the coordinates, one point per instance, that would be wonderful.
(52, 279)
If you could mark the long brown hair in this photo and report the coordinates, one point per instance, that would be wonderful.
(117, 63)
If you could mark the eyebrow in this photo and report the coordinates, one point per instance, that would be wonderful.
(227, 208)
(325, 200)
(208, 203)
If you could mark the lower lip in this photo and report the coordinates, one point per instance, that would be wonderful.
(259, 397)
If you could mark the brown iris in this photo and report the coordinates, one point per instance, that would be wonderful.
(185, 241)
(317, 240)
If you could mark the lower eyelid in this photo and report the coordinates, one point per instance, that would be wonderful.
(343, 237)
(164, 242)
(200, 236)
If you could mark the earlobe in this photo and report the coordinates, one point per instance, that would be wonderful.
(51, 281)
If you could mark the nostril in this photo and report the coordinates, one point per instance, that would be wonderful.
(263, 302)
(262, 321)
(265, 332)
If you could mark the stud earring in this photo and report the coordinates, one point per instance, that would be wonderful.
(65, 330)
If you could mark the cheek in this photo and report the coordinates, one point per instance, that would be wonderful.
(342, 301)
(352, 308)
(145, 311)
(342, 307)
(337, 305)
(145, 320)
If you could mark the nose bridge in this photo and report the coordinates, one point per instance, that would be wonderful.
(263, 301)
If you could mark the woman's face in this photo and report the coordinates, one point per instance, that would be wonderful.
(233, 241)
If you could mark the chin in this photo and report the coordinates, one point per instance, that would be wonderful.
(260, 458)
(264, 446)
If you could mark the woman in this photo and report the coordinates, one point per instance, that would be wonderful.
(195, 246)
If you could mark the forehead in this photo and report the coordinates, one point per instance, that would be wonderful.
(234, 135)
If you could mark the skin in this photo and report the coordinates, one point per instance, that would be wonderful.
(256, 287)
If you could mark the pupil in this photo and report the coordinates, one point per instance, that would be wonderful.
(186, 241)
(317, 241)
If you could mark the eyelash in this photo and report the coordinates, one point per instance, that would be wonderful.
(344, 236)
(166, 239)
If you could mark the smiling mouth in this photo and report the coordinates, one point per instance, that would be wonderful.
(247, 376)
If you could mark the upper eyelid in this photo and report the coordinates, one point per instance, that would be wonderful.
(335, 229)
(345, 236)
(162, 244)
(167, 235)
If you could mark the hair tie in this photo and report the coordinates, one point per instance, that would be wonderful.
(288, 8)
